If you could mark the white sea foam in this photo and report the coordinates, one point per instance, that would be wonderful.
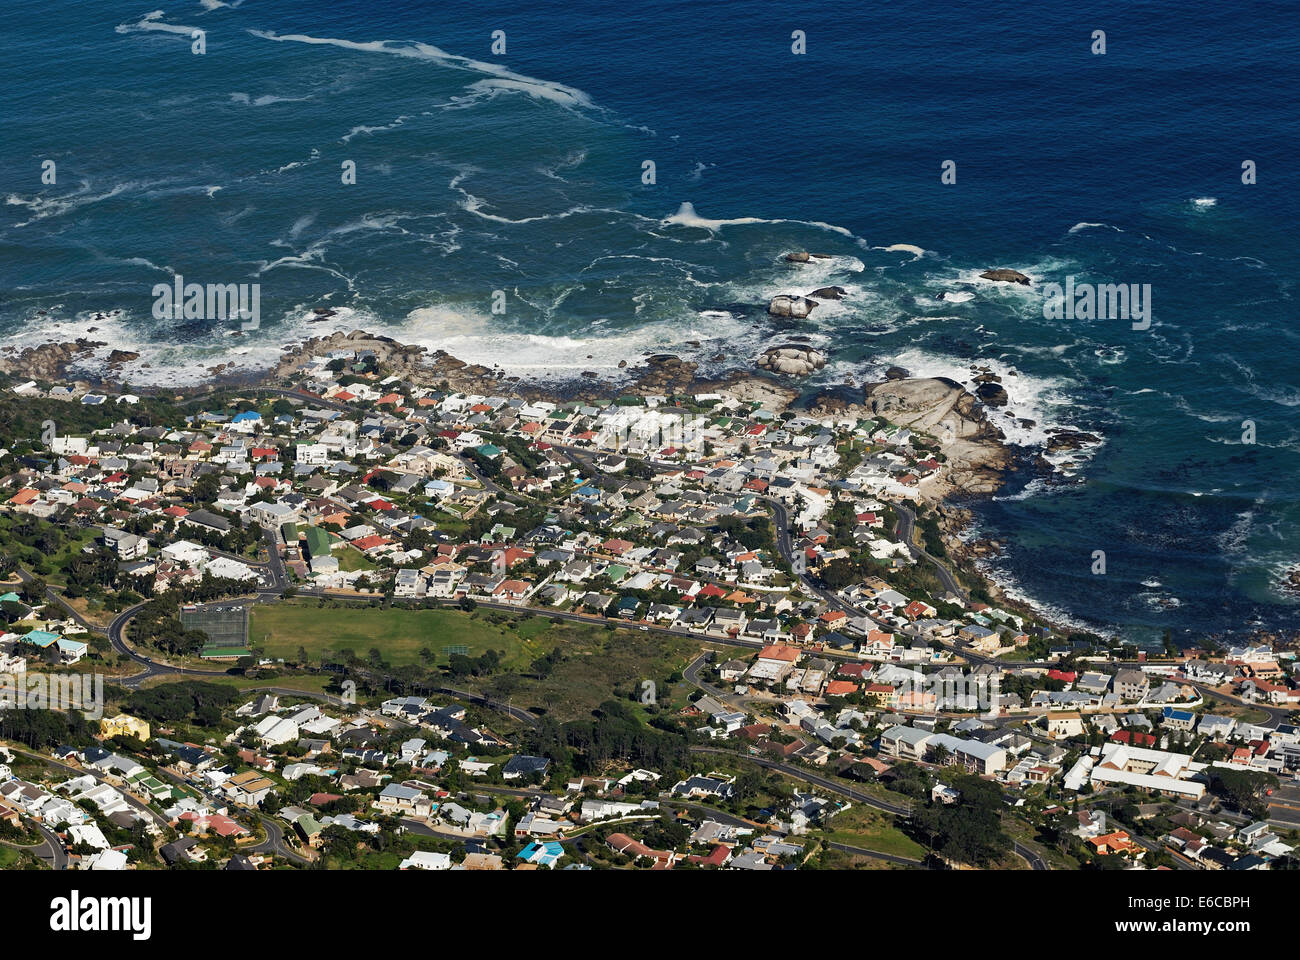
(152, 22)
(1234, 540)
(159, 364)
(471, 335)
(1079, 227)
(1034, 488)
(916, 252)
(565, 97)
(42, 207)
(501, 79)
(265, 100)
(687, 217)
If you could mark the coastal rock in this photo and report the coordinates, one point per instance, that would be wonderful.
(896, 373)
(119, 357)
(835, 402)
(1070, 440)
(830, 293)
(49, 361)
(1006, 276)
(992, 394)
(803, 257)
(792, 359)
(1291, 581)
(666, 373)
(942, 408)
(404, 360)
(788, 306)
(622, 364)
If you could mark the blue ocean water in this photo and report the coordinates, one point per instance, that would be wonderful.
(524, 173)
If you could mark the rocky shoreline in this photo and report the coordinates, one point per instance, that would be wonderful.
(976, 453)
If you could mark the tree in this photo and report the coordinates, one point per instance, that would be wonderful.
(969, 831)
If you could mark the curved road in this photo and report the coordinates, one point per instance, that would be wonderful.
(900, 809)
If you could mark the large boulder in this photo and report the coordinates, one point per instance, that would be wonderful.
(787, 306)
(1069, 440)
(942, 408)
(992, 394)
(118, 357)
(830, 293)
(1006, 276)
(792, 359)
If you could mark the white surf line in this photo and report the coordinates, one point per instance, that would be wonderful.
(503, 78)
(687, 217)
(152, 22)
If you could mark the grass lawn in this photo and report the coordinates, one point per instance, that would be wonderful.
(278, 630)
(837, 860)
(595, 660)
(9, 857)
(872, 830)
(351, 559)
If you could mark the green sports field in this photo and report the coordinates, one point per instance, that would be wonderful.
(278, 630)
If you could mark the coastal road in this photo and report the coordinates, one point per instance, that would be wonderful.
(906, 532)
(516, 713)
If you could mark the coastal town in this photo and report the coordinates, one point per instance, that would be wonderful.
(370, 614)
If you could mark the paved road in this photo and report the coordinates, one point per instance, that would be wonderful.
(50, 849)
(899, 809)
(274, 842)
(906, 527)
(875, 854)
(54, 597)
(516, 713)
(117, 637)
(60, 858)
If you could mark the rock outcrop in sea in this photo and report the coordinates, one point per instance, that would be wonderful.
(784, 305)
(49, 361)
(1006, 276)
(942, 408)
(792, 359)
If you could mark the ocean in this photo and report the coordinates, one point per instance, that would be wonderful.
(520, 180)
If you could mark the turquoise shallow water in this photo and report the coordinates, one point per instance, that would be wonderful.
(523, 173)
